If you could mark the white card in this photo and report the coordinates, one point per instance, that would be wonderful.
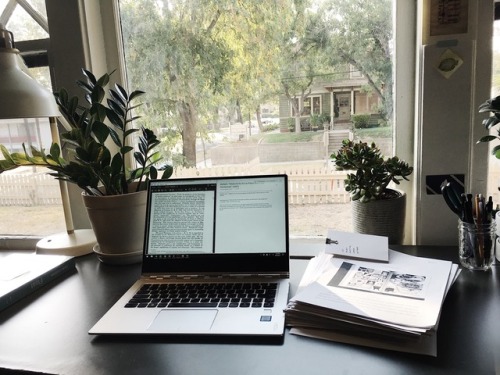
(356, 245)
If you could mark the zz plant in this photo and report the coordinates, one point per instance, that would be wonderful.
(92, 165)
(493, 106)
(372, 173)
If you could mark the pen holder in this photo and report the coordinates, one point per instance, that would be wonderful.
(476, 245)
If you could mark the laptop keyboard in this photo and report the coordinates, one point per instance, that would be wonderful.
(230, 295)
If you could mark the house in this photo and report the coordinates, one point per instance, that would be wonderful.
(337, 100)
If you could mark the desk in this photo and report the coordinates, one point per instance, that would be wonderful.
(47, 332)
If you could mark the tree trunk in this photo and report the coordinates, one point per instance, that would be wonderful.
(297, 124)
(259, 119)
(187, 115)
(239, 115)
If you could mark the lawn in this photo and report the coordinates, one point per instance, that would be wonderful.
(380, 132)
(307, 136)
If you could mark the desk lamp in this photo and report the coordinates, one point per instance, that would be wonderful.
(23, 97)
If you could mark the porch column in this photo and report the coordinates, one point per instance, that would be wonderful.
(332, 109)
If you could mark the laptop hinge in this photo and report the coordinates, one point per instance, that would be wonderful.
(217, 276)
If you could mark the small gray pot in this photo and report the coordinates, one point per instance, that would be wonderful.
(385, 217)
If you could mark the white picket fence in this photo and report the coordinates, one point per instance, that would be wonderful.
(28, 190)
(308, 184)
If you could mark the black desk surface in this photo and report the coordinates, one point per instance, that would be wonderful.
(47, 332)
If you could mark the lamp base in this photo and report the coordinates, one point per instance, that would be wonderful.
(80, 242)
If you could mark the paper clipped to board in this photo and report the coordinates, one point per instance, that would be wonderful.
(358, 246)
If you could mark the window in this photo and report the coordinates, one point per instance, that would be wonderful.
(94, 23)
(308, 109)
(223, 61)
(493, 163)
(312, 106)
(30, 200)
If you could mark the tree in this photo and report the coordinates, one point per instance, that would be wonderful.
(174, 49)
(359, 33)
(197, 55)
(196, 59)
(304, 58)
(256, 45)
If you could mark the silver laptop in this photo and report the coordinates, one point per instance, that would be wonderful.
(215, 261)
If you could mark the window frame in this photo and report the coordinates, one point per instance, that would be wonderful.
(95, 43)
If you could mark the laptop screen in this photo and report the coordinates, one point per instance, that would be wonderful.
(217, 224)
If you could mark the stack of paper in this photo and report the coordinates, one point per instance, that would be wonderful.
(394, 305)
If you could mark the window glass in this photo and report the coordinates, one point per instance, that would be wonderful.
(210, 67)
(20, 19)
(30, 200)
(493, 163)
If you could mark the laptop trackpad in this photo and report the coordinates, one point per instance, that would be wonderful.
(183, 320)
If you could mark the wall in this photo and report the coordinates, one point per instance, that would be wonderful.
(448, 121)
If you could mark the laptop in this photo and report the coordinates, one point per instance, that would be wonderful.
(225, 236)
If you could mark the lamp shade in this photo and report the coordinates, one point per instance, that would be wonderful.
(20, 95)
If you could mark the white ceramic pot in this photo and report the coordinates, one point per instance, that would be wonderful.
(118, 221)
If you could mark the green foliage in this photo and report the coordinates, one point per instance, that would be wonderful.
(194, 56)
(359, 33)
(318, 120)
(493, 106)
(373, 172)
(269, 128)
(92, 165)
(360, 121)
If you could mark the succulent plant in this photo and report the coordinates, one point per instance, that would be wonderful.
(372, 173)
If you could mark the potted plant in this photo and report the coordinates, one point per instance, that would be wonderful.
(376, 208)
(493, 106)
(95, 131)
(314, 121)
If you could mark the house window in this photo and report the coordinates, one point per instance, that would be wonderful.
(312, 106)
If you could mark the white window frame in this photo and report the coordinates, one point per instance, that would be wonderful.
(310, 99)
(302, 103)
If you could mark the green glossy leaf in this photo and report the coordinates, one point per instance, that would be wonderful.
(104, 79)
(167, 172)
(116, 107)
(126, 149)
(136, 94)
(115, 119)
(487, 138)
(118, 98)
(122, 92)
(496, 152)
(100, 131)
(115, 137)
(90, 76)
